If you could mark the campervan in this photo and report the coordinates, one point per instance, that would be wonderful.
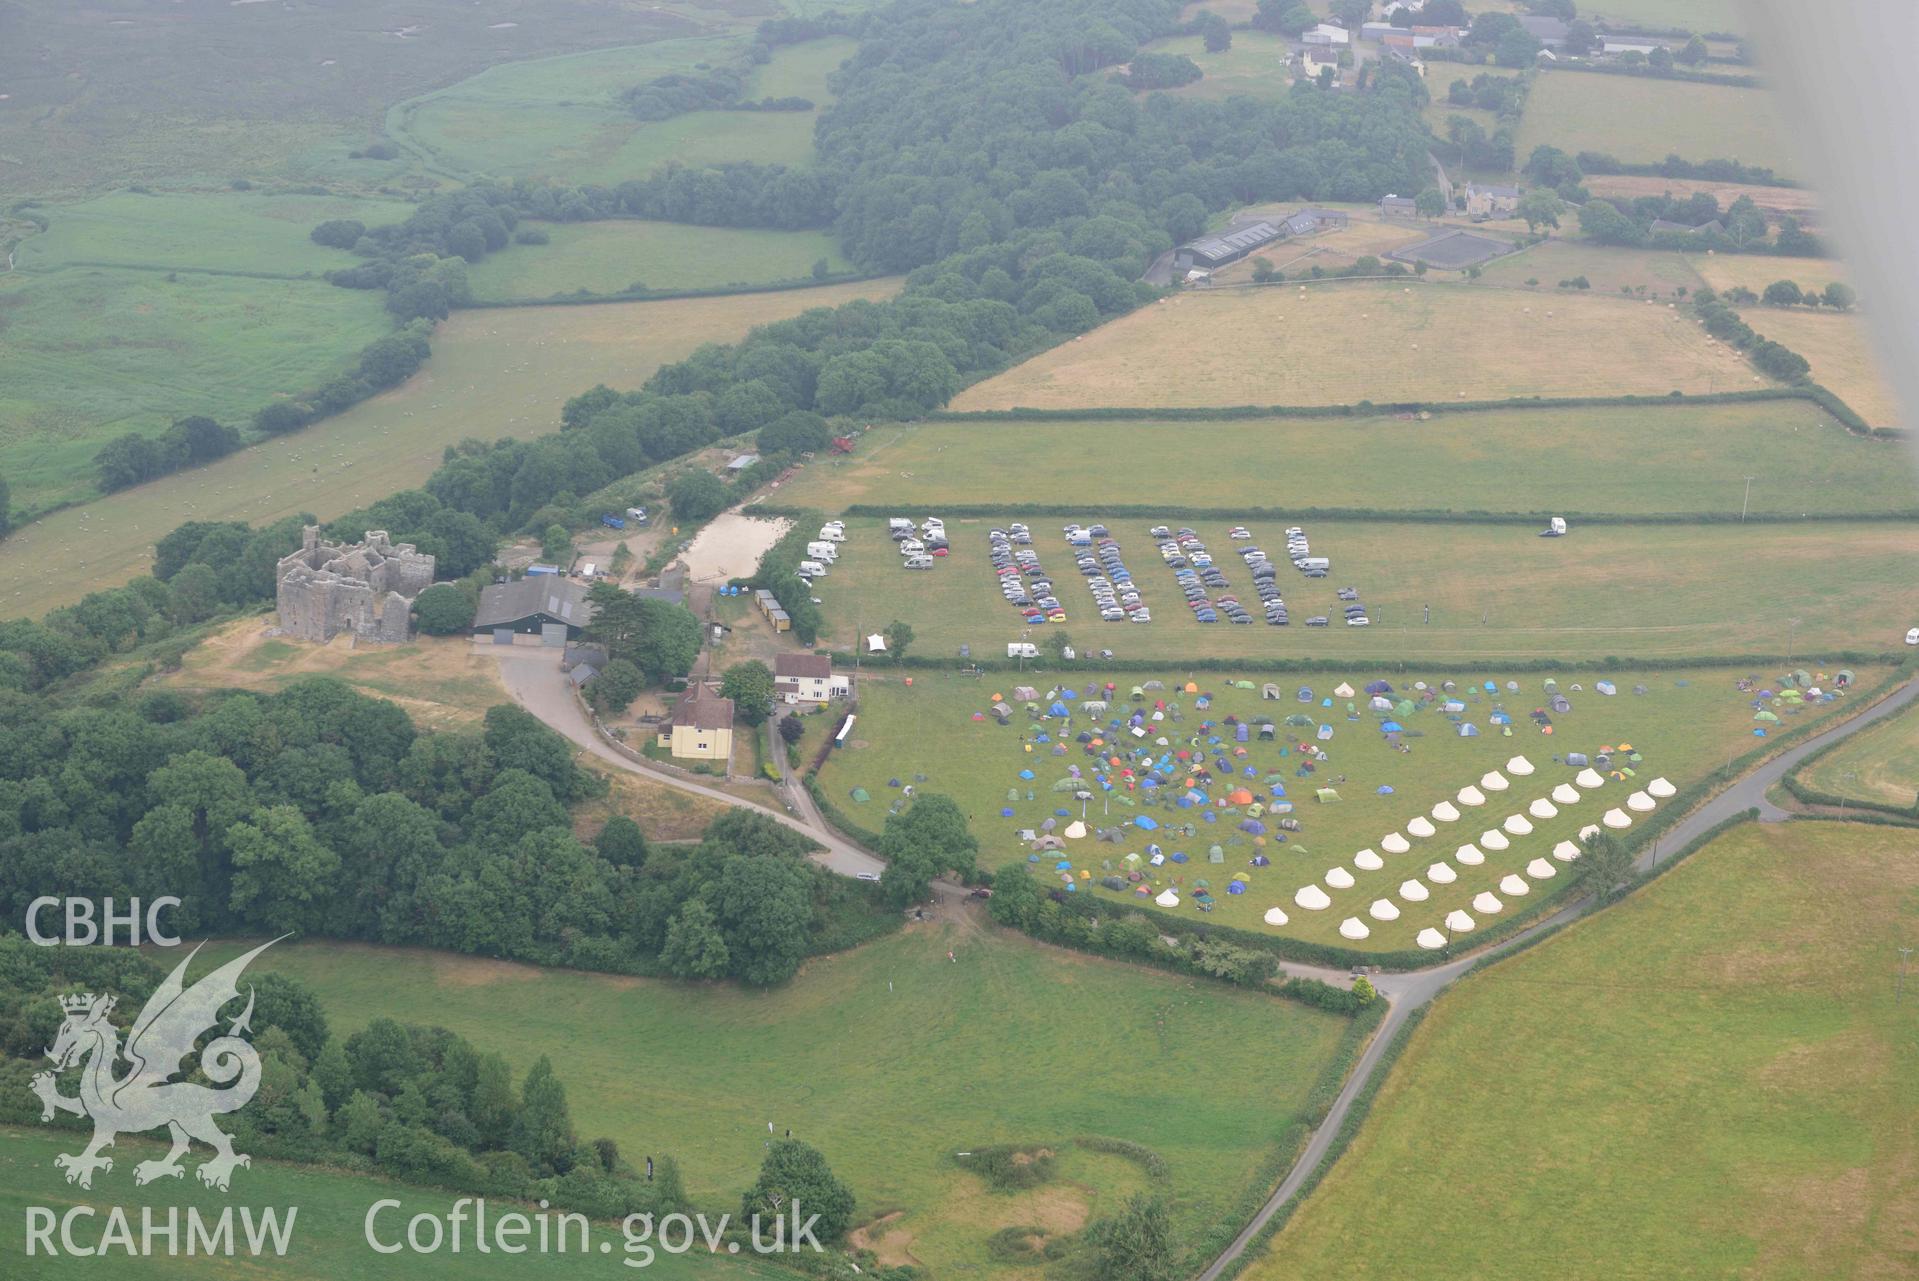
(1555, 528)
(899, 527)
(637, 515)
(918, 562)
(911, 547)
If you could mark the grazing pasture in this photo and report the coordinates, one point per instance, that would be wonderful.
(612, 257)
(1674, 1064)
(561, 118)
(1328, 343)
(1663, 458)
(89, 353)
(328, 1241)
(1607, 270)
(1682, 728)
(1795, 202)
(494, 373)
(1880, 764)
(99, 96)
(1580, 111)
(1756, 271)
(892, 1058)
(1496, 591)
(1257, 65)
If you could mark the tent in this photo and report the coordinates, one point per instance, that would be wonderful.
(1146, 823)
(1342, 690)
(1353, 928)
(1327, 795)
(860, 795)
(1391, 727)
(1323, 733)
(1380, 703)
(1378, 687)
(1468, 730)
(1560, 703)
(1339, 878)
(1269, 691)
(1275, 917)
(1312, 898)
(1770, 718)
(1414, 891)
(1367, 861)
(1486, 905)
(1299, 718)
(1468, 855)
(1430, 939)
(1235, 886)
(1441, 874)
(1304, 694)
(1382, 909)
(1606, 687)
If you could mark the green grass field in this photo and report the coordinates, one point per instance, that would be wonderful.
(494, 373)
(1711, 1079)
(230, 231)
(1660, 272)
(1880, 764)
(1013, 1042)
(1663, 459)
(1439, 80)
(1256, 65)
(1496, 591)
(1692, 15)
(89, 353)
(99, 96)
(1685, 727)
(1578, 111)
(611, 257)
(560, 118)
(328, 1241)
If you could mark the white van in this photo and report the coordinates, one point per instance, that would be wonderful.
(637, 515)
(918, 562)
(811, 569)
(912, 547)
(823, 551)
(898, 523)
(1307, 564)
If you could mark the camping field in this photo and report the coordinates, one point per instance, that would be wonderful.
(1580, 111)
(498, 372)
(1841, 353)
(1880, 764)
(1337, 343)
(1496, 591)
(891, 1059)
(1662, 458)
(612, 257)
(328, 1241)
(1684, 727)
(560, 118)
(1710, 1079)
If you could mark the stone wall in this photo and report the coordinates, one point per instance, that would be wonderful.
(363, 588)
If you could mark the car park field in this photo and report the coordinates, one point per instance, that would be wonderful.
(1495, 591)
(1659, 458)
(1322, 344)
(1389, 768)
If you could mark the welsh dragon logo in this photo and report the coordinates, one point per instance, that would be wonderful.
(144, 1097)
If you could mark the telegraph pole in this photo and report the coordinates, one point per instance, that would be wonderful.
(1747, 500)
(1899, 991)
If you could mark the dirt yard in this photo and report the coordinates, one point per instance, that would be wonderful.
(731, 547)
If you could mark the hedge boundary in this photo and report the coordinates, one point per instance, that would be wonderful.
(1806, 794)
(1823, 397)
(1487, 666)
(668, 295)
(1374, 515)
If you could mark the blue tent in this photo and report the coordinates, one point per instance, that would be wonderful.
(1067, 693)
(1006, 813)
(1391, 727)
(1468, 730)
(1325, 732)
(1236, 887)
(1026, 773)
(1242, 734)
(1500, 718)
(1146, 822)
(1057, 709)
(1381, 687)
(1178, 856)
(1063, 866)
(1305, 694)
(1252, 827)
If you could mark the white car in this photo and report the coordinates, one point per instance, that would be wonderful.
(1912, 636)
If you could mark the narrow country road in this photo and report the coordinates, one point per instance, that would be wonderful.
(1412, 989)
(534, 679)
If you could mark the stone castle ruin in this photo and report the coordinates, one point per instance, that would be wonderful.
(365, 588)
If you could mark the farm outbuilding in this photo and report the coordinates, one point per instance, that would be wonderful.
(543, 609)
(1216, 251)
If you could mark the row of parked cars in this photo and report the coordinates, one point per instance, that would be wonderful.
(1097, 557)
(1022, 580)
(1265, 580)
(919, 547)
(1202, 582)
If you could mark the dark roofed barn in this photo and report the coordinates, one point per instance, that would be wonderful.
(543, 608)
(1216, 251)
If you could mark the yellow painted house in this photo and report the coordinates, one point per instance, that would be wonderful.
(700, 728)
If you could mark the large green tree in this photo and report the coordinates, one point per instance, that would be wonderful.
(927, 839)
(750, 686)
(794, 1178)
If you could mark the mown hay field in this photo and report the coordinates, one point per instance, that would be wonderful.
(1880, 764)
(1339, 343)
(497, 372)
(1677, 1064)
(1661, 458)
(1842, 355)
